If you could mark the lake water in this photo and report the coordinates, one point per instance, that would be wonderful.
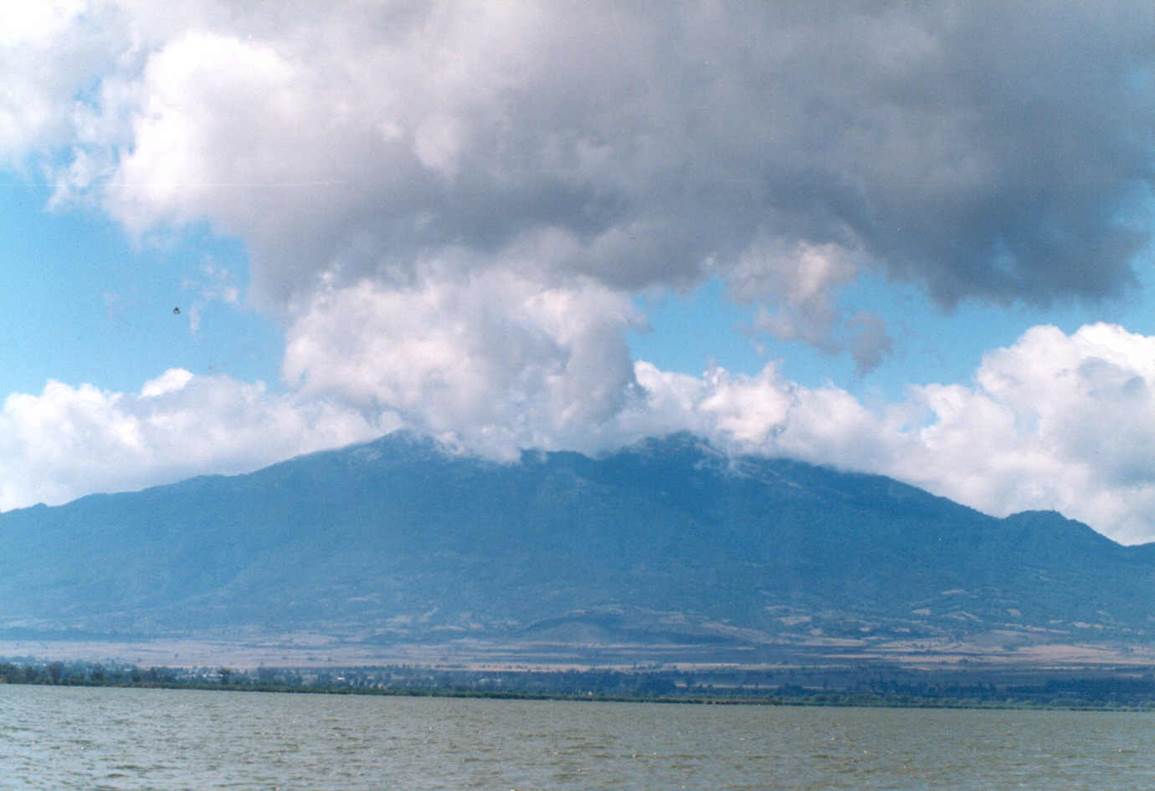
(58, 738)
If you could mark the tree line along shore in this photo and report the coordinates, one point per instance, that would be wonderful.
(1105, 689)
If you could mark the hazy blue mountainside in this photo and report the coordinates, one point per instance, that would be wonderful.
(667, 540)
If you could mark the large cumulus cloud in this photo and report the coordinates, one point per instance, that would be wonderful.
(492, 365)
(981, 149)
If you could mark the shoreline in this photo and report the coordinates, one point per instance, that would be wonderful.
(830, 699)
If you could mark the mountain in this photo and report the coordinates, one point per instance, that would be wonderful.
(669, 542)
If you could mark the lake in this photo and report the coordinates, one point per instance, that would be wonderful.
(61, 737)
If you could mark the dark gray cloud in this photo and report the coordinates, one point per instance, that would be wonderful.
(988, 150)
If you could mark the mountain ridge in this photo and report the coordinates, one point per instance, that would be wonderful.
(669, 541)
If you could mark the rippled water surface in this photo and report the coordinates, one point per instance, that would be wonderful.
(136, 738)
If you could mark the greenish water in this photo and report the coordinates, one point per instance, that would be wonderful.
(59, 738)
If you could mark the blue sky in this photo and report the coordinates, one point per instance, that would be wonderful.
(689, 331)
(84, 302)
(81, 302)
(896, 240)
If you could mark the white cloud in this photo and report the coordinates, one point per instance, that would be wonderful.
(68, 441)
(495, 363)
(1054, 421)
(49, 51)
(171, 381)
(213, 283)
(200, 92)
(766, 414)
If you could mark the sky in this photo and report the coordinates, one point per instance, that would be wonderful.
(905, 239)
